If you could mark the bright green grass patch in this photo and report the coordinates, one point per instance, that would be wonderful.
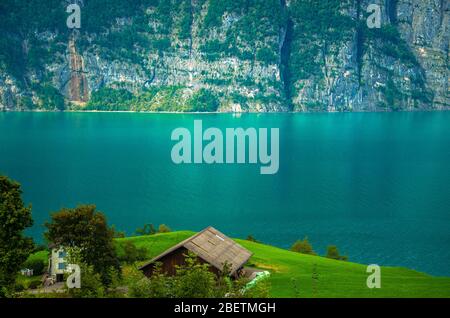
(41, 255)
(155, 244)
(335, 278)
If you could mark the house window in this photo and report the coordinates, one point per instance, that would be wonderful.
(61, 265)
(62, 254)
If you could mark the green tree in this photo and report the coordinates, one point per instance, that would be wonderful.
(91, 284)
(194, 280)
(131, 253)
(85, 228)
(148, 229)
(14, 247)
(114, 289)
(333, 253)
(251, 238)
(161, 286)
(117, 234)
(303, 246)
(138, 284)
(204, 101)
(164, 229)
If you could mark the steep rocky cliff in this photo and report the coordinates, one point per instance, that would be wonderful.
(226, 55)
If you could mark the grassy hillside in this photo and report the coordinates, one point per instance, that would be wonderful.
(336, 278)
(291, 273)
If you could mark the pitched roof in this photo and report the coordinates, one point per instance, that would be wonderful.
(213, 247)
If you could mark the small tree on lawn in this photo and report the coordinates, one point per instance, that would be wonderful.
(303, 246)
(164, 229)
(333, 253)
(147, 229)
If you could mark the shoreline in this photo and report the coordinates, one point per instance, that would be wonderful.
(232, 113)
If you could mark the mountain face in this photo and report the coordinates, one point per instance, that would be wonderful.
(224, 55)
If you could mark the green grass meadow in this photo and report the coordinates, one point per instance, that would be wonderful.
(292, 273)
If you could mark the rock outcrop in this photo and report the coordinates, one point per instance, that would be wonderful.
(261, 56)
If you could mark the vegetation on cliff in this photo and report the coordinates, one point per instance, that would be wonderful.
(246, 55)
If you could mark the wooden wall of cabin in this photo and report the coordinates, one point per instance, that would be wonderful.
(171, 260)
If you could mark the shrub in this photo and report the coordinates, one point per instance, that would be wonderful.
(37, 265)
(19, 288)
(259, 290)
(110, 99)
(161, 286)
(333, 253)
(266, 55)
(204, 101)
(252, 239)
(194, 280)
(131, 253)
(91, 286)
(50, 98)
(34, 284)
(117, 234)
(161, 44)
(113, 290)
(164, 229)
(147, 229)
(303, 246)
(138, 284)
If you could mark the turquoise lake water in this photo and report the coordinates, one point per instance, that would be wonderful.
(377, 185)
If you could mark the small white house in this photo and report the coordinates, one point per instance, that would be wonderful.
(26, 272)
(57, 265)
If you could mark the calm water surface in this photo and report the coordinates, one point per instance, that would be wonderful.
(377, 185)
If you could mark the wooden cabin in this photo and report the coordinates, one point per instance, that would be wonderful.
(210, 246)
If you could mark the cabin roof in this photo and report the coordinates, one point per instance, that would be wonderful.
(212, 246)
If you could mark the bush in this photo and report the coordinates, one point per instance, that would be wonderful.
(34, 284)
(194, 280)
(266, 55)
(159, 285)
(148, 229)
(303, 247)
(251, 238)
(37, 265)
(204, 101)
(19, 288)
(91, 284)
(113, 290)
(110, 99)
(259, 290)
(140, 289)
(131, 253)
(50, 97)
(333, 253)
(164, 229)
